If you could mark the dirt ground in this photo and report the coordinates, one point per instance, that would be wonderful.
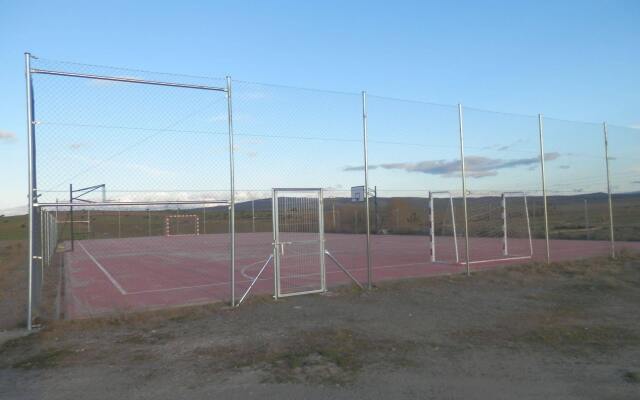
(13, 284)
(567, 331)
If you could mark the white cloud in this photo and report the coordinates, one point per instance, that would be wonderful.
(476, 166)
(6, 136)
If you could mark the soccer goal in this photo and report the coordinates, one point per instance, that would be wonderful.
(510, 225)
(441, 225)
(181, 225)
(516, 226)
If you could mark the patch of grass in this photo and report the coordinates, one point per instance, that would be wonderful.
(631, 376)
(328, 356)
(140, 356)
(17, 343)
(599, 336)
(46, 358)
(140, 320)
(146, 338)
(13, 227)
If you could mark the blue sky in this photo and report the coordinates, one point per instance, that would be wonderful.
(574, 60)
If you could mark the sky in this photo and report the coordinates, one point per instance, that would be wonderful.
(570, 60)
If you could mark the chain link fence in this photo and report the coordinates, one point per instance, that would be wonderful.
(156, 190)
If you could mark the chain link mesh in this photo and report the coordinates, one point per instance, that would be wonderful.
(166, 149)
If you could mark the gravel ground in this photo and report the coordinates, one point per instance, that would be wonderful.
(566, 331)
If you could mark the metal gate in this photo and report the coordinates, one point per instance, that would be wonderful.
(298, 242)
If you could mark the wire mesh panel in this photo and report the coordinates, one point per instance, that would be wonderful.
(186, 224)
(624, 170)
(126, 261)
(441, 224)
(135, 169)
(577, 189)
(292, 137)
(502, 161)
(413, 150)
(299, 241)
(112, 136)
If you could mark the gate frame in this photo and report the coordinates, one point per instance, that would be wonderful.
(278, 247)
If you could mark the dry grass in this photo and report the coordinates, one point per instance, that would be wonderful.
(327, 356)
(13, 283)
(632, 376)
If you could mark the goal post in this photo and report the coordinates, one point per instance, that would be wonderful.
(174, 225)
(431, 224)
(506, 221)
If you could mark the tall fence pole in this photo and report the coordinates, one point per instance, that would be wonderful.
(464, 189)
(33, 196)
(606, 157)
(253, 217)
(366, 187)
(232, 198)
(544, 187)
(72, 233)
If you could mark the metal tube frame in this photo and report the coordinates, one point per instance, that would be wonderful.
(72, 236)
(464, 190)
(126, 80)
(253, 282)
(232, 206)
(606, 157)
(365, 141)
(276, 238)
(278, 246)
(32, 195)
(431, 227)
(544, 187)
(505, 242)
(504, 197)
(342, 267)
(131, 203)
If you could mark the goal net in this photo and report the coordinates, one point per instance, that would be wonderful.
(441, 227)
(181, 225)
(516, 229)
(499, 227)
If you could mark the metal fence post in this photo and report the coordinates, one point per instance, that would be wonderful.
(71, 227)
(253, 217)
(505, 242)
(366, 187)
(606, 157)
(32, 195)
(544, 187)
(232, 205)
(464, 189)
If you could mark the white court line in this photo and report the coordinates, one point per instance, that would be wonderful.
(226, 283)
(179, 288)
(497, 260)
(111, 278)
(244, 269)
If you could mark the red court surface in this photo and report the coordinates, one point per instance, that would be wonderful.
(110, 276)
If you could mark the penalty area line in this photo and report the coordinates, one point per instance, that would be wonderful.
(103, 269)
